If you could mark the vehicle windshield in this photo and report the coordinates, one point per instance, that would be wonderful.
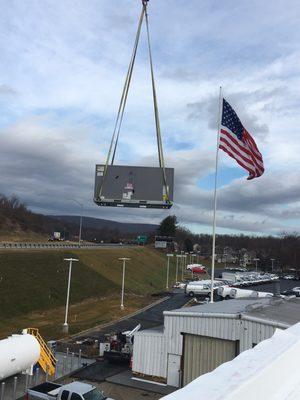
(94, 394)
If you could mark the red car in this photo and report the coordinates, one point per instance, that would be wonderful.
(196, 268)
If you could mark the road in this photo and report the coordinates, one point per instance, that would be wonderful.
(57, 245)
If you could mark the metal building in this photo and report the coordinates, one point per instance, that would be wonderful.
(196, 340)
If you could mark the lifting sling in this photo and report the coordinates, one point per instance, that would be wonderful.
(117, 127)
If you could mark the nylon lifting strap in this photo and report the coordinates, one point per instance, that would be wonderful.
(118, 123)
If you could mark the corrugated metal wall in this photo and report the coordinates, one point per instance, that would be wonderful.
(252, 333)
(203, 354)
(150, 354)
(225, 328)
(151, 348)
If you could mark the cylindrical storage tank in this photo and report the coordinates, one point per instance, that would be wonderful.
(240, 293)
(18, 353)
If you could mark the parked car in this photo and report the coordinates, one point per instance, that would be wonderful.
(201, 288)
(198, 270)
(296, 291)
(289, 277)
(196, 267)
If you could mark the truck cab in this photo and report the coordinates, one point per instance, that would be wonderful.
(71, 391)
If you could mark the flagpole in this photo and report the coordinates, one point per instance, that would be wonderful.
(215, 202)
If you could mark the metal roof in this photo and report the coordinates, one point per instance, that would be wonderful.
(234, 306)
(155, 329)
(273, 309)
(285, 311)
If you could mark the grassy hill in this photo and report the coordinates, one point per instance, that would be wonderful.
(33, 287)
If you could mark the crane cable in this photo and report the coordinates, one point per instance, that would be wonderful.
(121, 109)
(156, 113)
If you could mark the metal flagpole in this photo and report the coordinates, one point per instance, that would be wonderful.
(215, 202)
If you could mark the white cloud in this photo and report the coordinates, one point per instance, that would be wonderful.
(63, 67)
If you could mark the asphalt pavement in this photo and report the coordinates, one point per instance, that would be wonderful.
(148, 318)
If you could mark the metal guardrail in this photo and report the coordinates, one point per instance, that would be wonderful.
(16, 245)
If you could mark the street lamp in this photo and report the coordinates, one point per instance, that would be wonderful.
(272, 259)
(177, 261)
(225, 255)
(81, 216)
(181, 264)
(124, 259)
(168, 269)
(256, 259)
(65, 325)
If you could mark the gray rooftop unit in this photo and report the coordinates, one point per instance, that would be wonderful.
(139, 187)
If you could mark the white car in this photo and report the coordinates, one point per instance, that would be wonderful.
(296, 290)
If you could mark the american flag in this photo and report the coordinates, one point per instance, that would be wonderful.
(238, 143)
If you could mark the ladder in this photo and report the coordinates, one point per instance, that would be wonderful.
(47, 360)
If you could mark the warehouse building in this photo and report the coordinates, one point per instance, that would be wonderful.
(195, 340)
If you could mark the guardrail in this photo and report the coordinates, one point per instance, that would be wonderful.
(17, 245)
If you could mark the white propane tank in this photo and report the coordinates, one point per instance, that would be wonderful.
(18, 353)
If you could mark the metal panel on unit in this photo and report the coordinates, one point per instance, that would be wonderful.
(139, 187)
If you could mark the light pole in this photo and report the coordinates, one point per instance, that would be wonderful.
(65, 325)
(272, 259)
(177, 262)
(256, 259)
(124, 259)
(225, 255)
(80, 223)
(168, 269)
(181, 265)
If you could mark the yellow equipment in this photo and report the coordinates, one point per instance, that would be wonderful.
(47, 360)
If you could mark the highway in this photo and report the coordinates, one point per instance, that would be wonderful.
(57, 245)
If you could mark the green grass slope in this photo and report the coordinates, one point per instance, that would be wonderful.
(37, 281)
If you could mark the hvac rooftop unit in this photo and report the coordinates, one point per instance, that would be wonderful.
(141, 187)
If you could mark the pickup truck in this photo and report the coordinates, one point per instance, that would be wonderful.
(71, 391)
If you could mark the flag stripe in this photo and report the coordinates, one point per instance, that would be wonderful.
(250, 170)
(240, 149)
(231, 146)
(237, 142)
(248, 165)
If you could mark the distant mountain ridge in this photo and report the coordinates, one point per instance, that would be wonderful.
(99, 224)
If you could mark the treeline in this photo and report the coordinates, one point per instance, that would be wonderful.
(284, 249)
(16, 217)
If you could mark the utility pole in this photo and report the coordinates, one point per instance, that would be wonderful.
(80, 221)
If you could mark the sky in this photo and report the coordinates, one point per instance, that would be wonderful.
(63, 66)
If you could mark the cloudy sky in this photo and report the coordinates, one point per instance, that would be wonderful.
(62, 68)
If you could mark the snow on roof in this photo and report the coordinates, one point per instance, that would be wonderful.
(268, 371)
